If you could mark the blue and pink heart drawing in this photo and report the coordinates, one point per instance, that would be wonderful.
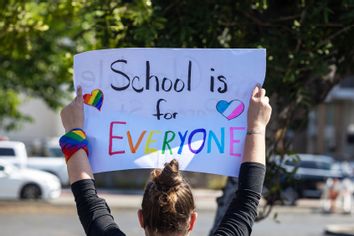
(231, 109)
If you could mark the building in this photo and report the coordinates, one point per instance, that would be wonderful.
(331, 125)
(46, 124)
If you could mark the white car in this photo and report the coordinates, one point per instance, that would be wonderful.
(15, 153)
(24, 183)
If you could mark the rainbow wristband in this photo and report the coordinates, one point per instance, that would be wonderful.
(73, 141)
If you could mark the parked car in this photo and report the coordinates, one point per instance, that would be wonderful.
(310, 176)
(24, 183)
(15, 153)
(51, 148)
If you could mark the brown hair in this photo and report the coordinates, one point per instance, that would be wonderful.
(168, 201)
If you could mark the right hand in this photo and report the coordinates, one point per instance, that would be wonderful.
(72, 116)
(259, 110)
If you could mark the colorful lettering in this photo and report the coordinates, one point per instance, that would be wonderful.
(134, 148)
(183, 138)
(196, 140)
(149, 141)
(233, 141)
(203, 131)
(111, 137)
(166, 141)
(219, 143)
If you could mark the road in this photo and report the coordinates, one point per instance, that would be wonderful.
(54, 219)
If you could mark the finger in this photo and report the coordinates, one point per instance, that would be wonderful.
(262, 92)
(255, 91)
(79, 91)
(79, 98)
(266, 99)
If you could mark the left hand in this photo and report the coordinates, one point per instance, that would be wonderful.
(72, 116)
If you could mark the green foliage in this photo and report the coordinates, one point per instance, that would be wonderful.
(303, 38)
(38, 40)
(33, 61)
(308, 42)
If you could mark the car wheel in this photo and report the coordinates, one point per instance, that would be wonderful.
(289, 196)
(30, 191)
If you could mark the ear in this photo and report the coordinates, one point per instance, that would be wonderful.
(141, 218)
(192, 221)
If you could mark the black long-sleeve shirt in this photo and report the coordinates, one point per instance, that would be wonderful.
(96, 218)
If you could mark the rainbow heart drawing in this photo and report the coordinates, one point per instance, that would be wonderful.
(230, 109)
(94, 99)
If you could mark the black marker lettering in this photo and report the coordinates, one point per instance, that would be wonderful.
(121, 73)
(138, 90)
(189, 76)
(222, 79)
(212, 81)
(166, 116)
(158, 113)
(149, 77)
(164, 82)
(175, 87)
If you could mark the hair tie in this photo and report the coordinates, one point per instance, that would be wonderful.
(73, 141)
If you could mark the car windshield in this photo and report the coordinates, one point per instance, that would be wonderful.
(315, 165)
(7, 152)
(309, 164)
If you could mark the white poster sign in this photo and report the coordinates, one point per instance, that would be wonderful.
(146, 106)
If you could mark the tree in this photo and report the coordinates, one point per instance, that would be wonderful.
(309, 48)
(39, 38)
(34, 59)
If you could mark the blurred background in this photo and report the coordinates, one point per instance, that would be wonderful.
(310, 80)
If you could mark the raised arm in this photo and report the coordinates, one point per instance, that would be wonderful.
(241, 213)
(72, 117)
(259, 112)
(94, 213)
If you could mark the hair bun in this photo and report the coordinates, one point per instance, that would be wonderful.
(167, 178)
(167, 202)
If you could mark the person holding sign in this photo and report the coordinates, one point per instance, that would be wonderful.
(168, 206)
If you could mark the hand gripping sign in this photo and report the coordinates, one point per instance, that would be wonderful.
(146, 106)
